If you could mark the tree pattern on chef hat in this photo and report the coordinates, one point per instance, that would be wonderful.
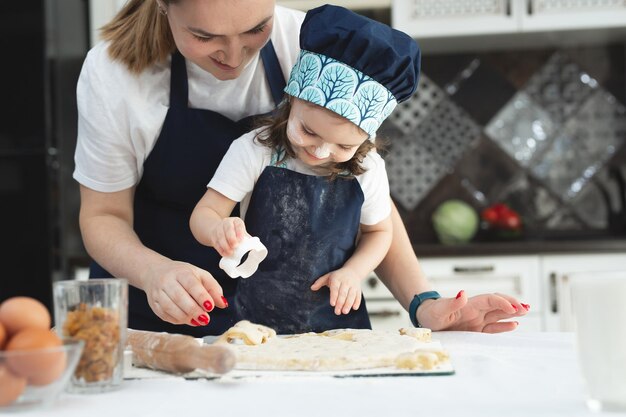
(354, 66)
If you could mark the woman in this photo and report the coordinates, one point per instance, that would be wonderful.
(160, 101)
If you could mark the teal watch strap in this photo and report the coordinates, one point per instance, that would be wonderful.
(417, 300)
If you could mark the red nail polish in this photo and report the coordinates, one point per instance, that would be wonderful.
(203, 318)
(207, 305)
(526, 306)
(195, 323)
(459, 294)
(225, 301)
(514, 306)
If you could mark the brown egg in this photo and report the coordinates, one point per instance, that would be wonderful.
(3, 336)
(32, 354)
(12, 386)
(19, 313)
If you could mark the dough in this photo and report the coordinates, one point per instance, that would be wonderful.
(333, 350)
(247, 333)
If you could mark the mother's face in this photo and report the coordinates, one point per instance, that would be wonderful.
(221, 36)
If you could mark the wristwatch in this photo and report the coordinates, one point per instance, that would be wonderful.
(417, 300)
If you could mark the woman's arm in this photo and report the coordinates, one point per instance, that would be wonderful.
(176, 291)
(371, 248)
(401, 273)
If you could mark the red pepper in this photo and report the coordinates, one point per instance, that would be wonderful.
(502, 216)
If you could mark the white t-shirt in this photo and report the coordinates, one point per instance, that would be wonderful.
(246, 159)
(120, 114)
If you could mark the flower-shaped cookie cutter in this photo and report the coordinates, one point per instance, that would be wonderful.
(256, 252)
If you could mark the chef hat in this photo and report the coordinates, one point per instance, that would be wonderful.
(354, 66)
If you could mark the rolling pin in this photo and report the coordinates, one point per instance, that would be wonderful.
(177, 353)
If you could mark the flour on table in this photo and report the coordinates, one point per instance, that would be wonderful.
(257, 348)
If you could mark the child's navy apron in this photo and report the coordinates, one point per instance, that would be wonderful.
(309, 226)
(189, 149)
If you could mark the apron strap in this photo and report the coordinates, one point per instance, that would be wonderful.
(273, 73)
(178, 82)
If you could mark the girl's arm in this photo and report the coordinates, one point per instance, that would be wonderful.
(211, 225)
(371, 248)
(345, 282)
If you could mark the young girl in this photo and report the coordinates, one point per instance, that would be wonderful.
(309, 180)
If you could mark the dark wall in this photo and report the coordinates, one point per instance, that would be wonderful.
(24, 222)
(543, 130)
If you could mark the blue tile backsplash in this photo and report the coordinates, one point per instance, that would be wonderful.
(543, 130)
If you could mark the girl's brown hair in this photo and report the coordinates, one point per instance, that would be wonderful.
(140, 35)
(273, 134)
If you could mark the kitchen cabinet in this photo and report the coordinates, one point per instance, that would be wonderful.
(517, 276)
(537, 279)
(555, 273)
(443, 18)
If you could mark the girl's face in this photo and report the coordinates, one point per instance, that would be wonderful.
(319, 136)
(221, 36)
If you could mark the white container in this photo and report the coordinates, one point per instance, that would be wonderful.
(599, 309)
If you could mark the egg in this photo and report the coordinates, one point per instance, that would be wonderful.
(18, 313)
(3, 336)
(12, 386)
(35, 355)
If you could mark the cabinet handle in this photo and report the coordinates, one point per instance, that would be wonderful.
(529, 7)
(473, 269)
(384, 313)
(554, 305)
(508, 7)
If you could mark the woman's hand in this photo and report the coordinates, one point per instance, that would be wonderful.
(226, 235)
(345, 289)
(481, 313)
(181, 293)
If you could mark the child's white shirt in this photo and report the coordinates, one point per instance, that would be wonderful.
(246, 159)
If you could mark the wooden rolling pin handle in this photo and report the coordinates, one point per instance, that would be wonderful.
(177, 353)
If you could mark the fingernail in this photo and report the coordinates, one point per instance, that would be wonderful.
(514, 306)
(195, 323)
(459, 294)
(225, 301)
(203, 318)
(526, 306)
(207, 305)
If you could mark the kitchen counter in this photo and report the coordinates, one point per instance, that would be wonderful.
(524, 247)
(511, 374)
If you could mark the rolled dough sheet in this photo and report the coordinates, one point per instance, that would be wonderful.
(342, 352)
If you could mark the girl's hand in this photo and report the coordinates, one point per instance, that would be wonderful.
(181, 293)
(345, 289)
(227, 234)
(481, 313)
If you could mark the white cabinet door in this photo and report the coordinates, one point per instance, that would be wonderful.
(434, 18)
(548, 15)
(100, 13)
(517, 276)
(555, 272)
(425, 19)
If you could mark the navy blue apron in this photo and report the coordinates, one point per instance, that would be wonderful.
(189, 149)
(309, 226)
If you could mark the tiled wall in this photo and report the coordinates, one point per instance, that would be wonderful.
(543, 130)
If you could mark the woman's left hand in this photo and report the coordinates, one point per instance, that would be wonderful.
(481, 313)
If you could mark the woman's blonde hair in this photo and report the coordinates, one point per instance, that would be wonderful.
(273, 134)
(140, 34)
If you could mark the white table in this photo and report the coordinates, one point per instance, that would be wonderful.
(511, 374)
